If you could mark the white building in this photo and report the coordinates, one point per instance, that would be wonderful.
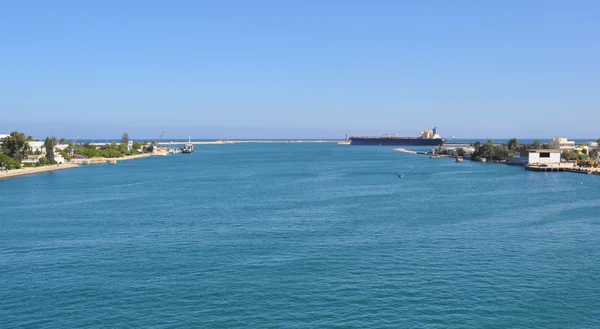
(37, 146)
(59, 158)
(562, 144)
(32, 159)
(61, 147)
(544, 156)
(590, 145)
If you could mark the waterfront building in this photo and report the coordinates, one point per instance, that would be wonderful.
(543, 156)
(562, 144)
(59, 158)
(31, 159)
(37, 146)
(60, 147)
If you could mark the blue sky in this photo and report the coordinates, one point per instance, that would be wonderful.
(300, 69)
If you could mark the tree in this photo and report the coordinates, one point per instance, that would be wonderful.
(476, 145)
(584, 151)
(573, 155)
(15, 145)
(50, 144)
(30, 138)
(460, 151)
(8, 162)
(512, 145)
(62, 141)
(536, 145)
(492, 152)
(122, 148)
(43, 161)
(598, 141)
(125, 138)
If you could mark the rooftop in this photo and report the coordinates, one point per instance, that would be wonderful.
(545, 151)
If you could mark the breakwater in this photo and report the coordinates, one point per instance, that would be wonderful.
(254, 141)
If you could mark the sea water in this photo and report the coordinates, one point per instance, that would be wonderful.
(300, 236)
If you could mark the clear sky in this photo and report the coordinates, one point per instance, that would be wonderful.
(300, 69)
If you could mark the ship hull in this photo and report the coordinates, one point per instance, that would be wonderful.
(396, 141)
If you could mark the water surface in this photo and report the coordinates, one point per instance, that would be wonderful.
(296, 236)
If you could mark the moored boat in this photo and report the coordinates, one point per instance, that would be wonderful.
(188, 147)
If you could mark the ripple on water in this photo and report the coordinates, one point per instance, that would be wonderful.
(296, 236)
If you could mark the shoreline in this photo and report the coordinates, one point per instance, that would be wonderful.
(35, 170)
(101, 160)
(76, 163)
(562, 167)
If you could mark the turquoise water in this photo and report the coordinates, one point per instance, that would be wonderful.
(300, 236)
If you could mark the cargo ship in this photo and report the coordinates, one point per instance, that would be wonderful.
(428, 137)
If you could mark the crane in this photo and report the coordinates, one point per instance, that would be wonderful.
(159, 138)
(72, 144)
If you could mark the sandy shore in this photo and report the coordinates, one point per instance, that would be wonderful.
(72, 164)
(105, 160)
(35, 170)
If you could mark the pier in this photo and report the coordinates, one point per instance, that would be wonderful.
(562, 167)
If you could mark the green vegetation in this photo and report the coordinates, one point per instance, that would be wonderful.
(460, 151)
(67, 155)
(29, 138)
(15, 146)
(43, 161)
(536, 145)
(50, 144)
(573, 155)
(8, 162)
(491, 152)
(513, 145)
(113, 150)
